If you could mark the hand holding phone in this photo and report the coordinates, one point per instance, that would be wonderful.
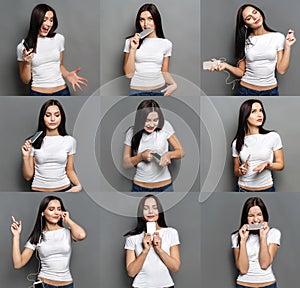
(256, 226)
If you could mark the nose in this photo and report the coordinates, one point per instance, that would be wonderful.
(52, 118)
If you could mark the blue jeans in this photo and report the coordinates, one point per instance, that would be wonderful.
(64, 286)
(244, 91)
(154, 92)
(240, 189)
(62, 190)
(166, 188)
(63, 92)
(274, 285)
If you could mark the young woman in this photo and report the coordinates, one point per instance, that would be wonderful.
(256, 151)
(50, 159)
(150, 134)
(42, 64)
(259, 51)
(255, 250)
(51, 240)
(149, 257)
(146, 60)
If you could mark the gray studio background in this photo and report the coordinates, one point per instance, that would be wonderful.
(180, 21)
(78, 21)
(220, 216)
(282, 116)
(99, 260)
(217, 40)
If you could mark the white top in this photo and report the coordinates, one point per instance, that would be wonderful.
(157, 141)
(148, 61)
(255, 273)
(261, 148)
(50, 161)
(261, 58)
(45, 64)
(55, 254)
(154, 273)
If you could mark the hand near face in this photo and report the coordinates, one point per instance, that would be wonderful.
(156, 241)
(27, 55)
(243, 232)
(134, 41)
(65, 216)
(165, 159)
(147, 241)
(264, 230)
(290, 38)
(26, 148)
(16, 227)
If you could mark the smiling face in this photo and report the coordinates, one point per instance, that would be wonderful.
(256, 116)
(47, 24)
(53, 212)
(255, 215)
(52, 118)
(150, 211)
(152, 121)
(252, 17)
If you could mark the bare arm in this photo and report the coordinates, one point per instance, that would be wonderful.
(131, 161)
(172, 86)
(238, 70)
(129, 58)
(27, 161)
(77, 231)
(276, 165)
(72, 174)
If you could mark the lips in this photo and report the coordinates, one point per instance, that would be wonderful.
(257, 21)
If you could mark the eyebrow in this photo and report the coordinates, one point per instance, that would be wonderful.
(249, 15)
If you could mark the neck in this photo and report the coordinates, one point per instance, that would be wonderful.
(252, 130)
(259, 31)
(51, 227)
(52, 132)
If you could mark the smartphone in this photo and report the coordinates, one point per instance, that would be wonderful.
(35, 136)
(208, 64)
(156, 155)
(257, 226)
(151, 227)
(26, 47)
(38, 284)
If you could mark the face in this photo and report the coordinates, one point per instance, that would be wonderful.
(151, 122)
(146, 20)
(53, 211)
(150, 211)
(47, 24)
(252, 18)
(256, 116)
(52, 117)
(255, 215)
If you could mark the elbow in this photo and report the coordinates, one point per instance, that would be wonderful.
(281, 71)
(264, 266)
(18, 266)
(182, 153)
(176, 267)
(130, 273)
(27, 177)
(81, 236)
(244, 271)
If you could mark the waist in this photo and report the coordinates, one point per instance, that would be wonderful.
(154, 184)
(256, 285)
(49, 90)
(55, 283)
(56, 189)
(258, 88)
(143, 88)
(255, 188)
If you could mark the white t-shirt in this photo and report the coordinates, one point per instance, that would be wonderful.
(261, 148)
(151, 172)
(50, 161)
(55, 254)
(45, 64)
(148, 61)
(261, 58)
(154, 273)
(255, 273)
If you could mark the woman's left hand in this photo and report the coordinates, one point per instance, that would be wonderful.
(76, 188)
(290, 38)
(169, 90)
(261, 167)
(65, 216)
(165, 159)
(156, 241)
(76, 80)
(264, 230)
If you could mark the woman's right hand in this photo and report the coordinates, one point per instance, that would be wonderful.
(16, 227)
(147, 242)
(27, 55)
(243, 232)
(26, 148)
(135, 41)
(146, 155)
(243, 168)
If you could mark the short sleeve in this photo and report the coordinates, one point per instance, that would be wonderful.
(281, 41)
(277, 143)
(168, 129)
(30, 246)
(234, 240)
(129, 243)
(20, 49)
(168, 51)
(174, 238)
(274, 236)
(72, 147)
(127, 46)
(233, 148)
(128, 137)
(61, 42)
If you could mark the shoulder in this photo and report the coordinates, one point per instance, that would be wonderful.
(234, 239)
(59, 36)
(166, 41)
(129, 132)
(171, 231)
(274, 232)
(167, 125)
(273, 135)
(69, 138)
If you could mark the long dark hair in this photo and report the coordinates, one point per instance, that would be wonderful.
(152, 9)
(42, 127)
(242, 32)
(36, 20)
(144, 108)
(245, 111)
(141, 222)
(251, 202)
(40, 223)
